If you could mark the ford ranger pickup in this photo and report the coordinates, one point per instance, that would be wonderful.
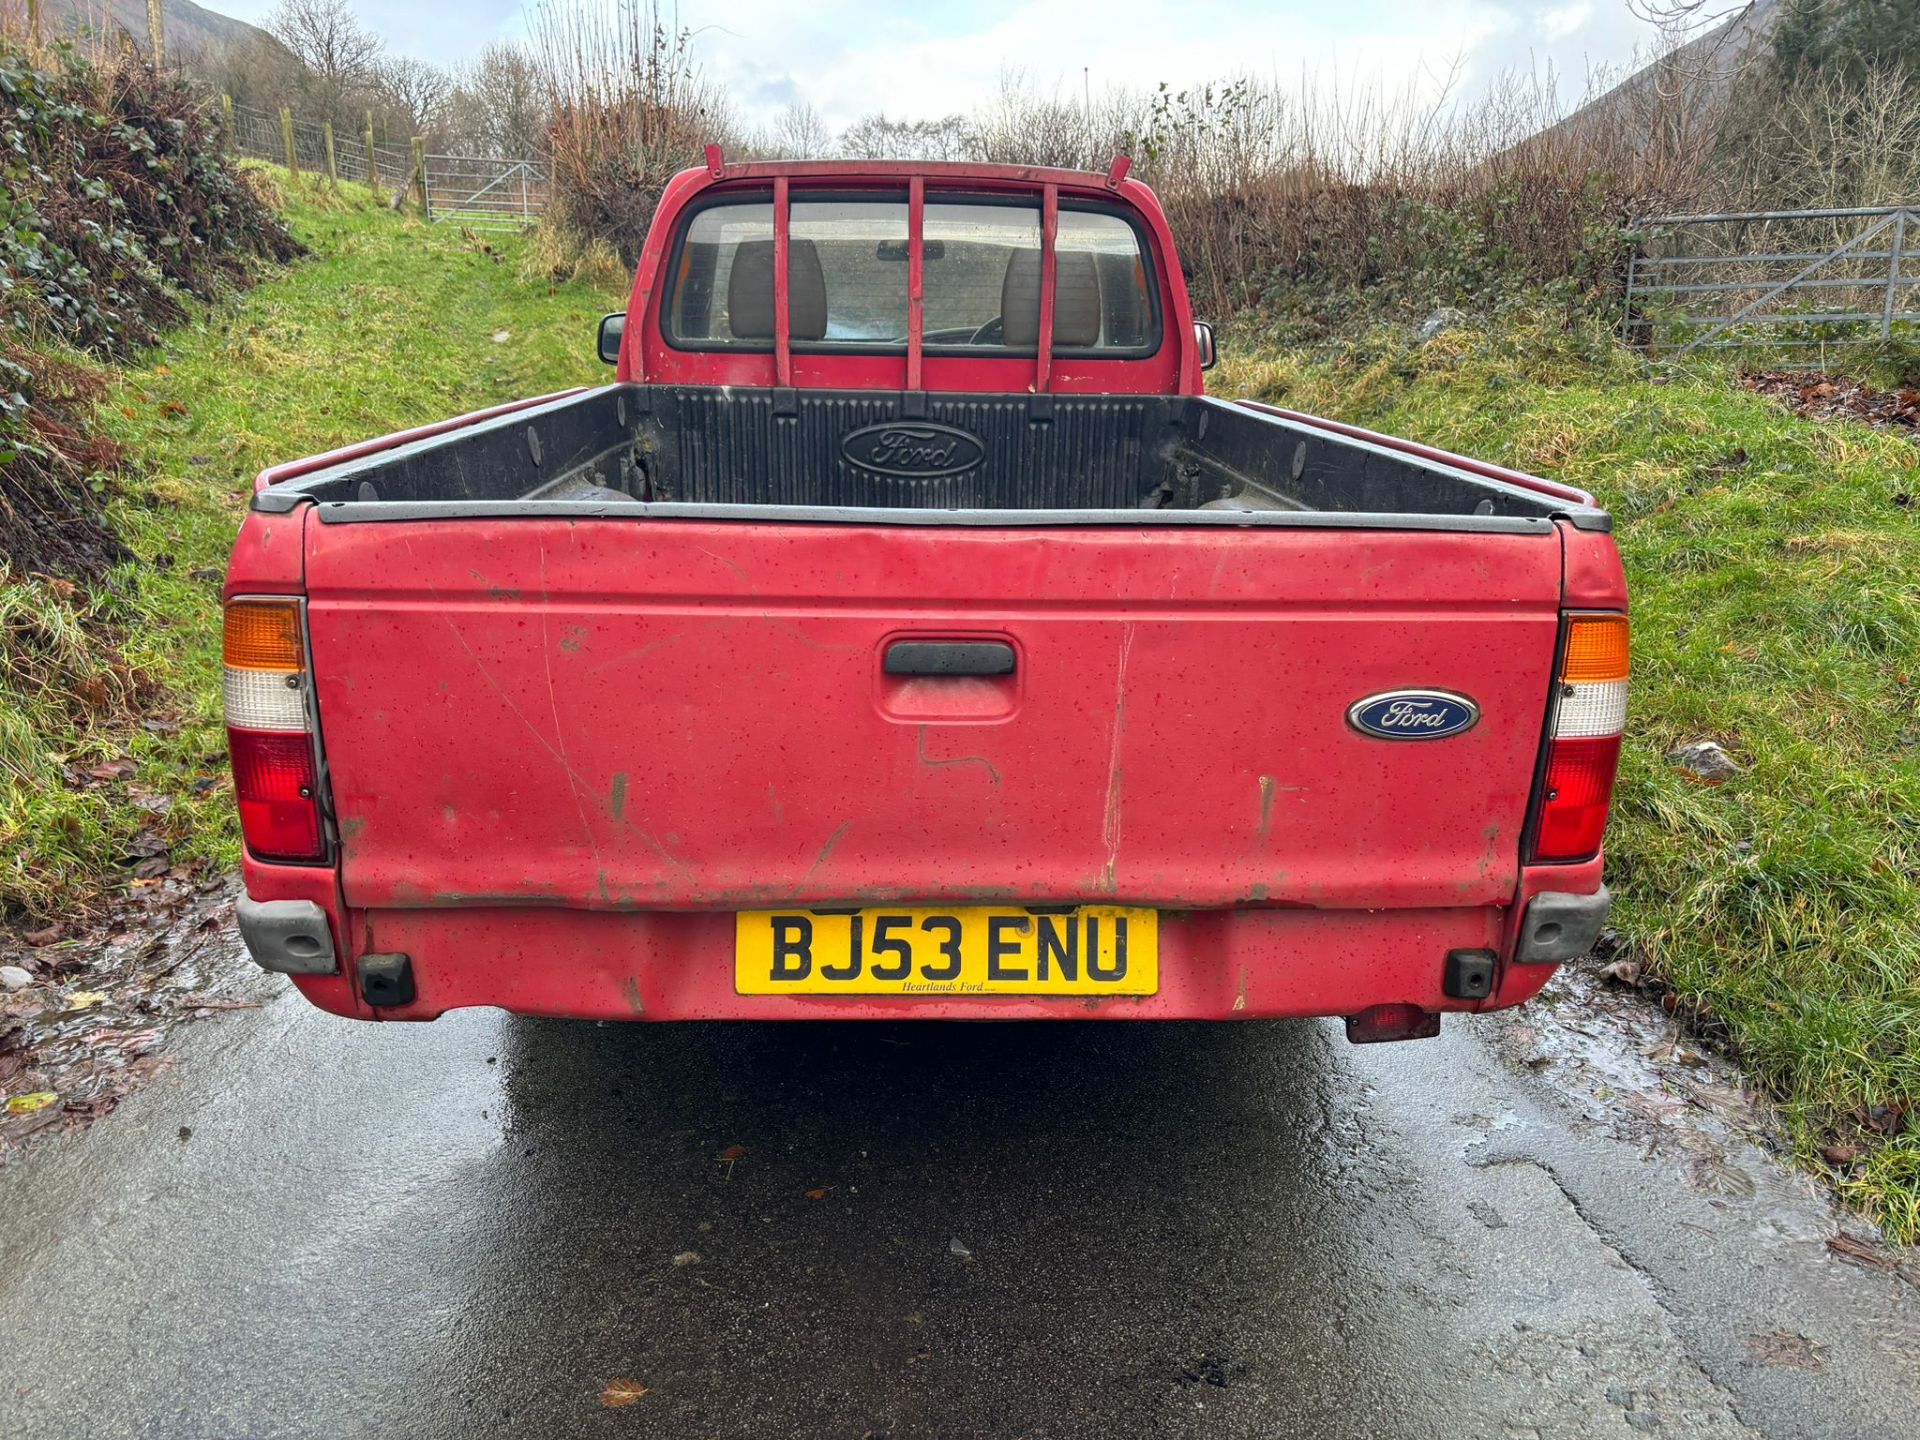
(905, 633)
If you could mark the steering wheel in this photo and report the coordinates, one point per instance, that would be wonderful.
(991, 333)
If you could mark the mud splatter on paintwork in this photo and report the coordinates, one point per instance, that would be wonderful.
(932, 763)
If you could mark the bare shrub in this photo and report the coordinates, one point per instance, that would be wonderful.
(1420, 201)
(497, 106)
(876, 137)
(338, 55)
(1021, 126)
(410, 90)
(1826, 142)
(629, 108)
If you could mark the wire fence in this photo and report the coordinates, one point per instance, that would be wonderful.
(476, 192)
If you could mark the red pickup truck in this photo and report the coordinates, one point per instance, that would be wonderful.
(905, 633)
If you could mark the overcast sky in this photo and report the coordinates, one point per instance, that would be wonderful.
(925, 58)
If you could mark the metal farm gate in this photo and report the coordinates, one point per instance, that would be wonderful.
(484, 194)
(1794, 279)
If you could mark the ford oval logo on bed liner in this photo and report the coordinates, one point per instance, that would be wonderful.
(912, 449)
(1413, 715)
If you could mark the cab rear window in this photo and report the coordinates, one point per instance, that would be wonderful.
(848, 261)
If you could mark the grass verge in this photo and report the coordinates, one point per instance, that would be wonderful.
(109, 717)
(1774, 565)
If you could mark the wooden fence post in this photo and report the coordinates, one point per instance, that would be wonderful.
(373, 166)
(226, 121)
(156, 35)
(333, 170)
(420, 170)
(286, 137)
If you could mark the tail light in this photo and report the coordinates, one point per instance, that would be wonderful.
(270, 730)
(1583, 748)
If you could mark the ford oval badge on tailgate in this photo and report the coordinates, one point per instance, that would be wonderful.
(913, 449)
(1413, 715)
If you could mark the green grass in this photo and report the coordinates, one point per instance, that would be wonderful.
(390, 324)
(1774, 566)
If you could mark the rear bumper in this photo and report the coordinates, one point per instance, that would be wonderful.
(678, 965)
(1214, 965)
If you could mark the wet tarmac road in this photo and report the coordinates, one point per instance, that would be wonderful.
(311, 1227)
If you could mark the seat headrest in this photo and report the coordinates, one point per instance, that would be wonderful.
(1076, 299)
(750, 292)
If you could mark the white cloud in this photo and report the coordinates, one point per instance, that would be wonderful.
(933, 57)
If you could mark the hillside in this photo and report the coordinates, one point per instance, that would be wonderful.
(191, 29)
(1684, 80)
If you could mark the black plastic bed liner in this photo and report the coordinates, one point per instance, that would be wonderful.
(840, 455)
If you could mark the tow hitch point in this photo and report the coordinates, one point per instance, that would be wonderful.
(386, 980)
(1469, 974)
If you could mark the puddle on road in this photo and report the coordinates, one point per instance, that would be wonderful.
(1624, 1067)
(92, 1025)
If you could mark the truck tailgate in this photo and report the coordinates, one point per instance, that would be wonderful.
(687, 714)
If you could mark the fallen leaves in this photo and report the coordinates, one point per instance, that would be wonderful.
(1623, 972)
(618, 1394)
(1821, 397)
(1860, 1252)
(89, 1046)
(1785, 1347)
(819, 1192)
(1729, 1102)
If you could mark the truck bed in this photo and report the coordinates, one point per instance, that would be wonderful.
(876, 456)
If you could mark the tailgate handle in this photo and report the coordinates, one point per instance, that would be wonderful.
(949, 657)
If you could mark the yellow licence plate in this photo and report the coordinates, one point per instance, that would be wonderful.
(978, 950)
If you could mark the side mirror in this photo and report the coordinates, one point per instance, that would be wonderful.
(1203, 342)
(612, 327)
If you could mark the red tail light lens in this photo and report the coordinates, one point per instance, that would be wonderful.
(275, 784)
(1573, 816)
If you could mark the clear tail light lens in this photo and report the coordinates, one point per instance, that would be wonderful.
(270, 730)
(1583, 749)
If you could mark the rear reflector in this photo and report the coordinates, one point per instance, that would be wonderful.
(1378, 1024)
(269, 730)
(1583, 750)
